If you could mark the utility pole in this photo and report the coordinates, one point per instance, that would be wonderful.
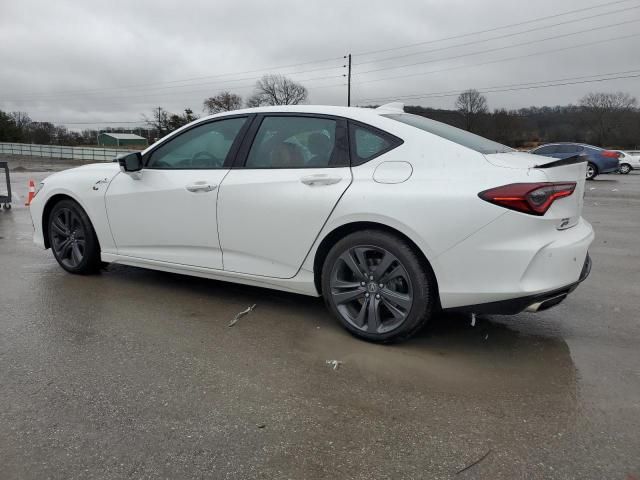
(349, 81)
(159, 122)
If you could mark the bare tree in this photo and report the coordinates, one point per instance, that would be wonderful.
(277, 90)
(472, 105)
(254, 100)
(176, 121)
(223, 102)
(159, 121)
(21, 119)
(606, 111)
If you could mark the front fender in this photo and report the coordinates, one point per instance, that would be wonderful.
(87, 187)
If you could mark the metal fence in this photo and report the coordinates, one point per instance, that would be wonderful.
(59, 151)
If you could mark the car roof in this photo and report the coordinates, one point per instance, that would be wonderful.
(356, 113)
(370, 116)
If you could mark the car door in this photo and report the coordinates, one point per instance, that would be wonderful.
(167, 211)
(293, 170)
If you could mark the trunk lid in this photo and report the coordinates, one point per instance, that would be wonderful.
(565, 212)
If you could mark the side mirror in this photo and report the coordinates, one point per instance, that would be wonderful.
(131, 162)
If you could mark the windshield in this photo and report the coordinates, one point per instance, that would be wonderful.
(457, 135)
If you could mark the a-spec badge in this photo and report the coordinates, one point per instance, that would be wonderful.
(100, 182)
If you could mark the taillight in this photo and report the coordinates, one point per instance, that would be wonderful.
(610, 154)
(531, 198)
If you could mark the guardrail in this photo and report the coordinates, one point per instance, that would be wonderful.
(59, 151)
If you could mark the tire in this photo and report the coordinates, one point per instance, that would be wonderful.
(73, 239)
(625, 168)
(592, 171)
(387, 314)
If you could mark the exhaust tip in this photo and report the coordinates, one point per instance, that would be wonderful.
(545, 304)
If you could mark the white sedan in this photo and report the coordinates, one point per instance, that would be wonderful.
(629, 160)
(389, 216)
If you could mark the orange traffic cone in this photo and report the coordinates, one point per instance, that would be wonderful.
(32, 192)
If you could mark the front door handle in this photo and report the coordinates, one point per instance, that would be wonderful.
(201, 187)
(320, 179)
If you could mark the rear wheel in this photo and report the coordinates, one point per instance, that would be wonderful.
(624, 168)
(376, 285)
(72, 238)
(592, 171)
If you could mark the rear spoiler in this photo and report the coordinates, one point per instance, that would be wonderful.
(563, 161)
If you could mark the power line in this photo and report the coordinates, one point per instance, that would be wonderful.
(212, 85)
(165, 95)
(145, 85)
(499, 37)
(519, 86)
(495, 49)
(373, 70)
(478, 32)
(265, 69)
(517, 57)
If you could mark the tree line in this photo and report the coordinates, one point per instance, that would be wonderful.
(600, 118)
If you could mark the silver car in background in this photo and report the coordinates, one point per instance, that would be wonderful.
(629, 160)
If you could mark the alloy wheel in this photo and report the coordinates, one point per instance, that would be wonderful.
(591, 171)
(371, 289)
(68, 238)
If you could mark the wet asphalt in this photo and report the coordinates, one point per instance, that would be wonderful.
(135, 374)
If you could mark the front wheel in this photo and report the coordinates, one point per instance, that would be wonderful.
(592, 171)
(377, 286)
(624, 168)
(72, 238)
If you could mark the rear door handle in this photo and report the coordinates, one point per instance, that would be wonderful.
(201, 187)
(320, 179)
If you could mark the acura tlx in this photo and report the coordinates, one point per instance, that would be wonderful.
(391, 217)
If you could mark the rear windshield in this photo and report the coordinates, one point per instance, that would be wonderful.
(457, 135)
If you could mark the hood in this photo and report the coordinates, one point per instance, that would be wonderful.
(107, 169)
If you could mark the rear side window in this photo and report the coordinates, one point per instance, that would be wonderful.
(297, 142)
(567, 149)
(367, 143)
(453, 134)
(546, 150)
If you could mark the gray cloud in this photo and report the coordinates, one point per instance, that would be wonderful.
(69, 61)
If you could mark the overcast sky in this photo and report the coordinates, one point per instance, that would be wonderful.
(84, 61)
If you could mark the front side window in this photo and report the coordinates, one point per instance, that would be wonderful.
(296, 142)
(205, 146)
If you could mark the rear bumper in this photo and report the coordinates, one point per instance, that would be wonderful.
(531, 303)
(608, 165)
